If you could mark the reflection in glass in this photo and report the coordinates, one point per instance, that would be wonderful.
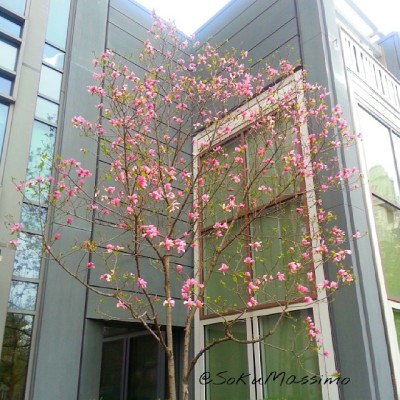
(286, 351)
(9, 53)
(27, 257)
(40, 159)
(57, 23)
(50, 83)
(225, 292)
(22, 295)
(9, 26)
(387, 220)
(111, 370)
(17, 6)
(53, 56)
(3, 123)
(379, 158)
(5, 85)
(33, 217)
(230, 357)
(46, 110)
(15, 356)
(143, 375)
(396, 314)
(279, 229)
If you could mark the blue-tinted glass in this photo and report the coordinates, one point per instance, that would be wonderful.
(22, 296)
(57, 23)
(17, 6)
(5, 85)
(9, 53)
(15, 356)
(40, 160)
(53, 56)
(3, 123)
(27, 257)
(10, 26)
(33, 217)
(50, 83)
(46, 110)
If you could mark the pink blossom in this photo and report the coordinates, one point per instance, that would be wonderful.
(205, 198)
(15, 243)
(302, 289)
(256, 245)
(15, 228)
(308, 299)
(280, 276)
(106, 277)
(169, 302)
(121, 304)
(142, 283)
(69, 220)
(252, 302)
(179, 268)
(142, 182)
(357, 235)
(57, 236)
(248, 260)
(293, 266)
(223, 269)
(90, 265)
(167, 243)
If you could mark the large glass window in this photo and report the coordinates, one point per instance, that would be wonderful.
(9, 54)
(50, 83)
(224, 361)
(17, 6)
(10, 26)
(58, 22)
(22, 295)
(287, 351)
(15, 356)
(27, 257)
(53, 56)
(6, 85)
(46, 110)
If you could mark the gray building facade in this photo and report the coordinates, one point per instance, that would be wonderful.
(54, 341)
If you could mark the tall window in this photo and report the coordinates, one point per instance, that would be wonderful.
(382, 156)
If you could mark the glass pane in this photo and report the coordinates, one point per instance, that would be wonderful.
(396, 314)
(22, 295)
(396, 145)
(387, 220)
(33, 217)
(40, 159)
(15, 356)
(9, 53)
(5, 85)
(221, 170)
(46, 110)
(286, 351)
(144, 376)
(27, 257)
(379, 158)
(3, 123)
(224, 361)
(50, 83)
(57, 23)
(10, 26)
(225, 291)
(17, 6)
(53, 56)
(112, 370)
(279, 229)
(265, 165)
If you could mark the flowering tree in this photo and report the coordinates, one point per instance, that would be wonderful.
(202, 159)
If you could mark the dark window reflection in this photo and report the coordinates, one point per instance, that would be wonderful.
(5, 85)
(33, 217)
(15, 356)
(10, 26)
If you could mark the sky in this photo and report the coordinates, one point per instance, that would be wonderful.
(189, 15)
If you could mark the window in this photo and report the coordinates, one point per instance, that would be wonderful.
(17, 6)
(132, 367)
(53, 56)
(381, 151)
(269, 215)
(15, 356)
(58, 23)
(50, 83)
(9, 54)
(6, 85)
(10, 26)
(46, 110)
